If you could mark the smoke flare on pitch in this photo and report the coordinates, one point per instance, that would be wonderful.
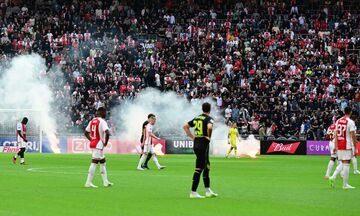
(172, 112)
(24, 86)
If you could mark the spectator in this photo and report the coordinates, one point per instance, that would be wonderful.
(228, 112)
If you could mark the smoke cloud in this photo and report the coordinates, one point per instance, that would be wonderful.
(23, 85)
(171, 110)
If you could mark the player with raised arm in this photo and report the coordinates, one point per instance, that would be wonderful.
(147, 143)
(21, 140)
(203, 125)
(98, 133)
(233, 136)
(344, 141)
(330, 135)
(145, 165)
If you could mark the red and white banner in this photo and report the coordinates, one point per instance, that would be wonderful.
(115, 146)
(279, 147)
(82, 145)
(9, 149)
(283, 147)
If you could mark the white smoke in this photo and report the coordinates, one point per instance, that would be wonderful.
(246, 147)
(171, 110)
(23, 85)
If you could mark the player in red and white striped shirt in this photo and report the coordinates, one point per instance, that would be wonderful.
(21, 140)
(353, 159)
(345, 140)
(97, 132)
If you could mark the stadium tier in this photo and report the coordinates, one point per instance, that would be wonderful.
(277, 68)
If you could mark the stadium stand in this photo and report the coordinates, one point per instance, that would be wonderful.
(278, 68)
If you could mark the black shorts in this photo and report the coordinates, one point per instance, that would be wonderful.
(201, 149)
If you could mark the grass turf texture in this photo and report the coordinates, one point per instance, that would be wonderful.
(268, 185)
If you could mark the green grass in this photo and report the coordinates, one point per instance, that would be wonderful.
(268, 185)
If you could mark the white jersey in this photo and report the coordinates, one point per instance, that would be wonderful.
(228, 112)
(147, 132)
(354, 147)
(22, 128)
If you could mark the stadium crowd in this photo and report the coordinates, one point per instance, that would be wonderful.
(277, 68)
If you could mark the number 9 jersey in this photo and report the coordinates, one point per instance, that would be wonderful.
(97, 128)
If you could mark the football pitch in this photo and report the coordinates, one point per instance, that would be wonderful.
(269, 185)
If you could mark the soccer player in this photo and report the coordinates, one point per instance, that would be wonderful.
(333, 156)
(21, 140)
(147, 143)
(97, 132)
(344, 141)
(203, 125)
(145, 165)
(354, 116)
(353, 159)
(233, 135)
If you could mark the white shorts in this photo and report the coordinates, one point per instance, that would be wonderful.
(345, 154)
(98, 154)
(22, 144)
(332, 148)
(148, 148)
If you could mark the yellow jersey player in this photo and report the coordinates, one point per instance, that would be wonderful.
(233, 136)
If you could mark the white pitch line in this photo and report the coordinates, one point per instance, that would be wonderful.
(111, 173)
(44, 170)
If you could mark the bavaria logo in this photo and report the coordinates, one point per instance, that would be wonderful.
(279, 147)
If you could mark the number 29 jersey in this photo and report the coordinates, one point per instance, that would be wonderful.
(344, 126)
(199, 124)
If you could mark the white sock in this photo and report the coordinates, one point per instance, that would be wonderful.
(354, 162)
(91, 173)
(337, 171)
(142, 160)
(342, 171)
(208, 190)
(15, 156)
(156, 162)
(329, 168)
(346, 168)
(22, 160)
(103, 173)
